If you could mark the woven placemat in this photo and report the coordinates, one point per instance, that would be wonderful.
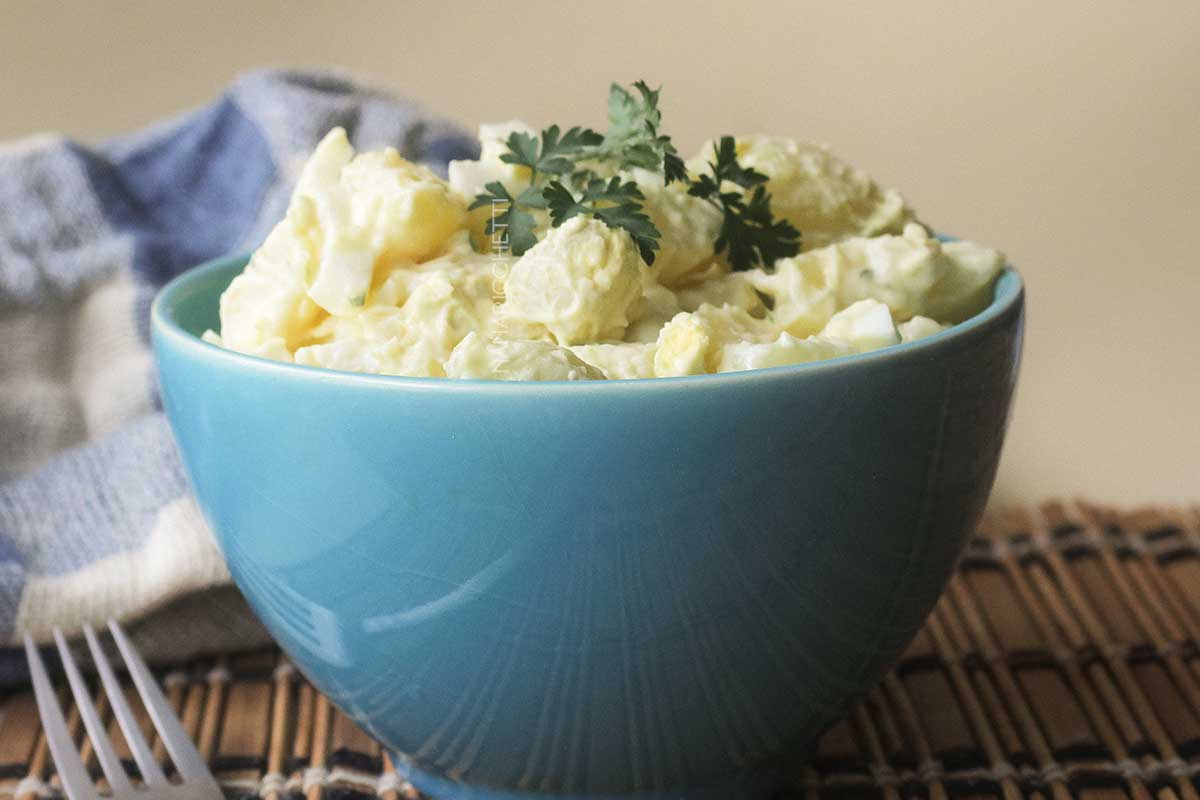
(1061, 662)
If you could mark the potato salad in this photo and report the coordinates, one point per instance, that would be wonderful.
(586, 258)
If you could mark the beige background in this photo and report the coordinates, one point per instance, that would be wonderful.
(1066, 133)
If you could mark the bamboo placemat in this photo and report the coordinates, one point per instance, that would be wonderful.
(1061, 662)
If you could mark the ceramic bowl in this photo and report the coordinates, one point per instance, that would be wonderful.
(633, 589)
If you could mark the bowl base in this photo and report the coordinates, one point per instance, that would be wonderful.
(764, 784)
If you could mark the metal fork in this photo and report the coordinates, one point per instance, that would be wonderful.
(196, 783)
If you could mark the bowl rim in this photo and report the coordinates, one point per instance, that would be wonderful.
(1007, 299)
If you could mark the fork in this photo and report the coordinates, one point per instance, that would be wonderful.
(196, 782)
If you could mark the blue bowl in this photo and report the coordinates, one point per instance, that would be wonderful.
(634, 589)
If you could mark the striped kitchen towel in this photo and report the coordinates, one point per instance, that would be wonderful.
(96, 519)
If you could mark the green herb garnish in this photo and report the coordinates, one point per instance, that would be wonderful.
(556, 154)
(614, 203)
(633, 139)
(749, 230)
(566, 178)
(555, 159)
(511, 217)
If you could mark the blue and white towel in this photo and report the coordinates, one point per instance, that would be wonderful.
(96, 519)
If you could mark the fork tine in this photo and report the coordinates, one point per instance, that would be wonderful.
(152, 774)
(187, 760)
(75, 779)
(105, 754)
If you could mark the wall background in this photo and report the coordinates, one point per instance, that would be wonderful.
(1067, 133)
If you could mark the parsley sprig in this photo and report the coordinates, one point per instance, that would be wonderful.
(566, 172)
(633, 139)
(749, 230)
(553, 157)
(512, 217)
(616, 204)
(556, 154)
(558, 159)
